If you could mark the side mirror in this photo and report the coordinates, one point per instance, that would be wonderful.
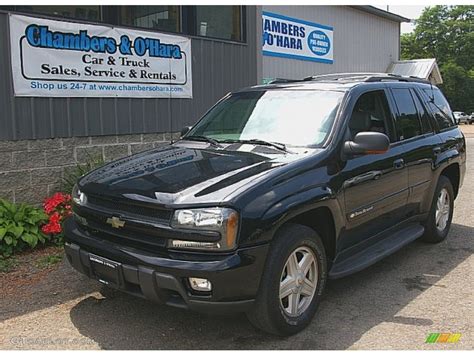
(185, 130)
(367, 143)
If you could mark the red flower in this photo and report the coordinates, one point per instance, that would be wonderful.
(57, 207)
(52, 228)
(55, 217)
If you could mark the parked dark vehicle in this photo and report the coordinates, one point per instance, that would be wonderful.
(276, 189)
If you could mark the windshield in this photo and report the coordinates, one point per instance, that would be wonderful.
(295, 118)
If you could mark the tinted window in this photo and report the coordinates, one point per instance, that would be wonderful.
(370, 113)
(407, 123)
(440, 108)
(423, 113)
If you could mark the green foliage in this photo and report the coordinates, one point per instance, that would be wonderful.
(20, 227)
(447, 34)
(73, 174)
(49, 260)
(7, 264)
(458, 87)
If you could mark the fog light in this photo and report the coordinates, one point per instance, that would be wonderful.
(197, 284)
(187, 244)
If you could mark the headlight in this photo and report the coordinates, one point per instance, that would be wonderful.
(78, 197)
(222, 220)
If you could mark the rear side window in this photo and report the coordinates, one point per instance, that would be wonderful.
(440, 108)
(425, 118)
(407, 122)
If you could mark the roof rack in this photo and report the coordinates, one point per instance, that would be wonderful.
(353, 77)
(366, 77)
(283, 81)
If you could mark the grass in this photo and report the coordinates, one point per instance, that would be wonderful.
(48, 260)
(7, 264)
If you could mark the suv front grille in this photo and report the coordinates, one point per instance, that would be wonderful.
(129, 208)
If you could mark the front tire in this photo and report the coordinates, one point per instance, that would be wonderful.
(441, 213)
(292, 283)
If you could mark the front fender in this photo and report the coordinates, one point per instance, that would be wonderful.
(296, 204)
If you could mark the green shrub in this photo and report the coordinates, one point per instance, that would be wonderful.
(20, 227)
(73, 174)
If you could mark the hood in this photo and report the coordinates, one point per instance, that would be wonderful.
(182, 173)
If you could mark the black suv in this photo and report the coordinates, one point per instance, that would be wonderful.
(277, 188)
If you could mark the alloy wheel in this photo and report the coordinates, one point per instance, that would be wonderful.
(298, 282)
(442, 210)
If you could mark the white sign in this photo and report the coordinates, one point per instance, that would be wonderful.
(289, 37)
(65, 59)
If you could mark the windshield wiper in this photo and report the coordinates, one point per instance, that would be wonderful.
(277, 145)
(211, 141)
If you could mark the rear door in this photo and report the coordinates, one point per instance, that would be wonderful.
(416, 134)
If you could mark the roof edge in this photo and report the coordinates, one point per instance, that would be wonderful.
(381, 13)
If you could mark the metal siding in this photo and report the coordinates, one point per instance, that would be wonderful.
(123, 115)
(94, 117)
(41, 108)
(76, 114)
(217, 66)
(362, 42)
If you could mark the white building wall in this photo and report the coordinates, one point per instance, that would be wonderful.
(362, 42)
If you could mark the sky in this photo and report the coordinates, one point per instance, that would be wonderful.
(409, 11)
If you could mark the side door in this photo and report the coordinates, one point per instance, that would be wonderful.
(376, 185)
(415, 132)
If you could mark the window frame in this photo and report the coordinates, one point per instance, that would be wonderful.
(110, 16)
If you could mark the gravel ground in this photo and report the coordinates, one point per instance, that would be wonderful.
(394, 304)
(468, 130)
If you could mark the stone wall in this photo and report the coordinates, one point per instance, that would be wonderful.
(31, 170)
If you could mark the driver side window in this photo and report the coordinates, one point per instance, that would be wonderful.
(371, 113)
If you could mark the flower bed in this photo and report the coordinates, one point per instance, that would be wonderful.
(23, 226)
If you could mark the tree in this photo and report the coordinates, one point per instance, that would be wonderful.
(447, 34)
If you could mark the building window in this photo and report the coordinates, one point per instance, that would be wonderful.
(164, 18)
(89, 13)
(219, 22)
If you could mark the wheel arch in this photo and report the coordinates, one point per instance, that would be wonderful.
(453, 173)
(322, 220)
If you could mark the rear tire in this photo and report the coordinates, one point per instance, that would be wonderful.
(441, 213)
(292, 283)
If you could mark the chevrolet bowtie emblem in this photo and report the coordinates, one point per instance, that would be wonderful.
(115, 222)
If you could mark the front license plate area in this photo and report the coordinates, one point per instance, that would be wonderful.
(106, 271)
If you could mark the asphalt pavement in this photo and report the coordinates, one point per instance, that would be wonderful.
(394, 304)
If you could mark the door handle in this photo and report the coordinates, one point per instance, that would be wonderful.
(436, 150)
(399, 163)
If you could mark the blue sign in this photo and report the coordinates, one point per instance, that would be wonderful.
(288, 37)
